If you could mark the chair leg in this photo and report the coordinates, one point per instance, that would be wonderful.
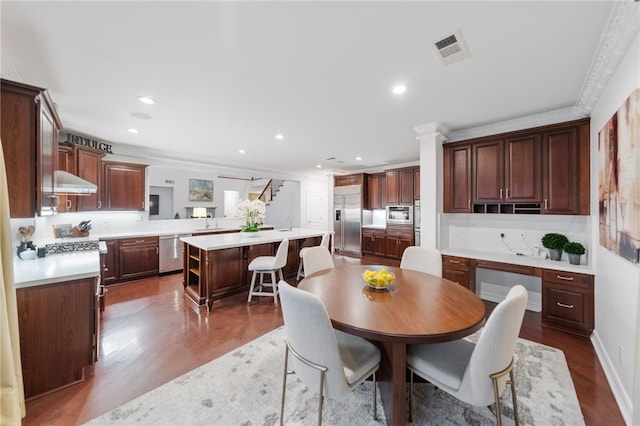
(375, 399)
(300, 271)
(513, 397)
(274, 287)
(320, 398)
(284, 383)
(411, 398)
(253, 283)
(496, 396)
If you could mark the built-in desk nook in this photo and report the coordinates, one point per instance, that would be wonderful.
(216, 265)
(567, 291)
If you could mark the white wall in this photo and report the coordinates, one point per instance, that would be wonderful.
(285, 205)
(618, 280)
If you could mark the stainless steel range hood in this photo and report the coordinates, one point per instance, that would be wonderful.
(66, 183)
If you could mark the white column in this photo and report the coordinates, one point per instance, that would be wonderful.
(430, 137)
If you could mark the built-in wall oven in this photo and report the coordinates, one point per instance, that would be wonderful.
(400, 214)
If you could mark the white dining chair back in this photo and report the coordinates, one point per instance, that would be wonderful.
(329, 362)
(476, 373)
(324, 242)
(422, 259)
(270, 265)
(317, 259)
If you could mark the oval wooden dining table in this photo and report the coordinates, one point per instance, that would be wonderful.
(416, 308)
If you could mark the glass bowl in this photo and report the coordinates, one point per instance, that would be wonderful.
(378, 278)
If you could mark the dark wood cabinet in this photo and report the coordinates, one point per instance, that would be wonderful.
(124, 186)
(399, 186)
(137, 257)
(398, 238)
(543, 170)
(377, 191)
(109, 273)
(29, 133)
(457, 269)
(374, 241)
(416, 183)
(56, 344)
(66, 162)
(345, 180)
(457, 178)
(567, 301)
(89, 167)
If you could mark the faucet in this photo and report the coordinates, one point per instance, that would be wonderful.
(206, 220)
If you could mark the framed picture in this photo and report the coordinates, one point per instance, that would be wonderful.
(200, 190)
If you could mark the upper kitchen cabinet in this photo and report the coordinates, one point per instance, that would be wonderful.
(377, 191)
(399, 186)
(416, 183)
(67, 163)
(124, 186)
(457, 178)
(29, 135)
(355, 179)
(534, 171)
(89, 167)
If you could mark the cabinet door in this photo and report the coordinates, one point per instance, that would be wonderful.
(109, 271)
(137, 260)
(392, 182)
(560, 172)
(460, 276)
(124, 186)
(373, 195)
(416, 184)
(379, 244)
(523, 173)
(48, 153)
(368, 240)
(89, 167)
(488, 172)
(457, 179)
(406, 186)
(67, 163)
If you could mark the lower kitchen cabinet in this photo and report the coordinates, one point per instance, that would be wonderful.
(374, 241)
(398, 238)
(457, 270)
(109, 273)
(567, 301)
(130, 258)
(56, 345)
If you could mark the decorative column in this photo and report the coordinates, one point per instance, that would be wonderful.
(430, 137)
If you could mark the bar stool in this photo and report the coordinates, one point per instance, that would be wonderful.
(326, 237)
(268, 265)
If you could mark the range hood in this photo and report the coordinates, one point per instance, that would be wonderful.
(66, 183)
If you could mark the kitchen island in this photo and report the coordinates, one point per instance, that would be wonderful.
(215, 266)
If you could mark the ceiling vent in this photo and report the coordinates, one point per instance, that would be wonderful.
(452, 48)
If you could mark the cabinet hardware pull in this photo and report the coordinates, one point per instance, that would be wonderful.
(68, 204)
(469, 204)
(139, 241)
(561, 277)
(562, 305)
(105, 269)
(501, 193)
(507, 193)
(454, 261)
(157, 250)
(143, 205)
(545, 204)
(99, 204)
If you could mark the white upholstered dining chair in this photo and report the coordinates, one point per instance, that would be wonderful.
(324, 242)
(317, 259)
(422, 259)
(475, 373)
(328, 361)
(268, 265)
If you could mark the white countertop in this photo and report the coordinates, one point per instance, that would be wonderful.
(519, 260)
(222, 241)
(56, 268)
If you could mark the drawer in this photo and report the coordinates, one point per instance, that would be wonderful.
(508, 267)
(455, 262)
(139, 241)
(567, 278)
(568, 308)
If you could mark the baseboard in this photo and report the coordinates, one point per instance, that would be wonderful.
(621, 397)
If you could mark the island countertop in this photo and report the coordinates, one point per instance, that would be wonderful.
(222, 241)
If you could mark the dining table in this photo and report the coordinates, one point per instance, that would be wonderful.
(415, 308)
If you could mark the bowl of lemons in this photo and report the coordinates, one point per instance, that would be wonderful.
(378, 278)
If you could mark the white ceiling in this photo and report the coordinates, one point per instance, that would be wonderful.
(230, 75)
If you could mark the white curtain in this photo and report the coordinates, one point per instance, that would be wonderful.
(12, 408)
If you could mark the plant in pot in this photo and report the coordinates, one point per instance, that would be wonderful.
(554, 243)
(574, 251)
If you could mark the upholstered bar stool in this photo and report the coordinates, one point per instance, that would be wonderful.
(326, 237)
(268, 265)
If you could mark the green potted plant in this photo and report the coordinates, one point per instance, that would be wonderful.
(574, 251)
(554, 243)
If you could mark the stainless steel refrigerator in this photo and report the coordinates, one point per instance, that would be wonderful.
(347, 219)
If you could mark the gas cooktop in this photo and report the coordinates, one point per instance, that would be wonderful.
(71, 246)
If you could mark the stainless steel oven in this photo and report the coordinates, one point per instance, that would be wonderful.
(400, 214)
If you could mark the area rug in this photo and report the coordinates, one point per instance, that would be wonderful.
(243, 387)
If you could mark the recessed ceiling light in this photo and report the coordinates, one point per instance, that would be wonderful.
(399, 89)
(280, 136)
(241, 151)
(319, 166)
(132, 130)
(146, 100)
(358, 158)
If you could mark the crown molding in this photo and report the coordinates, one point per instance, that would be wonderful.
(622, 27)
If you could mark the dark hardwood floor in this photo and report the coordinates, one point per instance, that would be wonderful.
(152, 334)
